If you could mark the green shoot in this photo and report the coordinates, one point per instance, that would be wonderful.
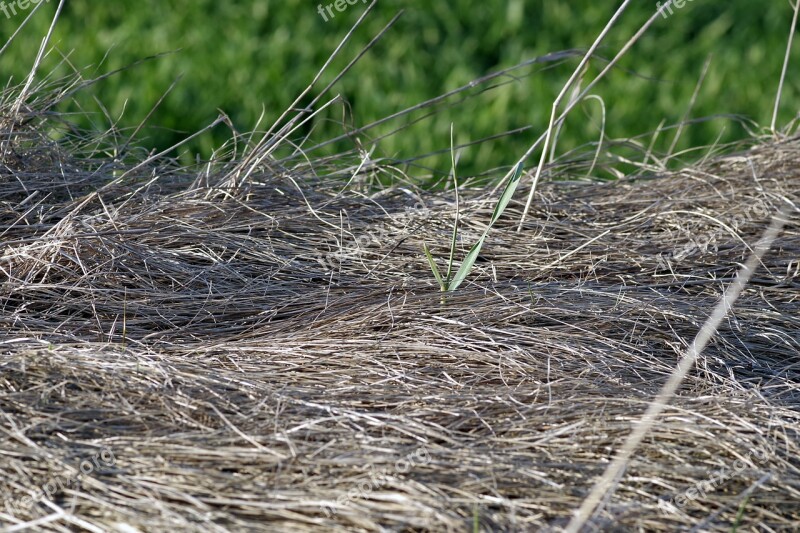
(434, 268)
(448, 284)
(454, 238)
(739, 515)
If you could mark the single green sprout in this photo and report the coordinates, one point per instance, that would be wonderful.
(448, 283)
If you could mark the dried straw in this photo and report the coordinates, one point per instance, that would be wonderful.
(276, 356)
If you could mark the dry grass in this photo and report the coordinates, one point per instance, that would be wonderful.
(189, 328)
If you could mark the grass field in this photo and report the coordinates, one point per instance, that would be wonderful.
(248, 56)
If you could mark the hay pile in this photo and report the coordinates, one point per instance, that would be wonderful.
(193, 351)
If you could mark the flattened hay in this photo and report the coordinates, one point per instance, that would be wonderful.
(190, 350)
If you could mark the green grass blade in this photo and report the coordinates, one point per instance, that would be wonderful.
(466, 265)
(434, 268)
(505, 198)
(454, 238)
(739, 515)
(472, 255)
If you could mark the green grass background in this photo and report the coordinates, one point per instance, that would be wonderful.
(251, 55)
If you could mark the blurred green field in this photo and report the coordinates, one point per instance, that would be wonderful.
(252, 55)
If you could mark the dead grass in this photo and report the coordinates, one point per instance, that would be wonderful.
(192, 329)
